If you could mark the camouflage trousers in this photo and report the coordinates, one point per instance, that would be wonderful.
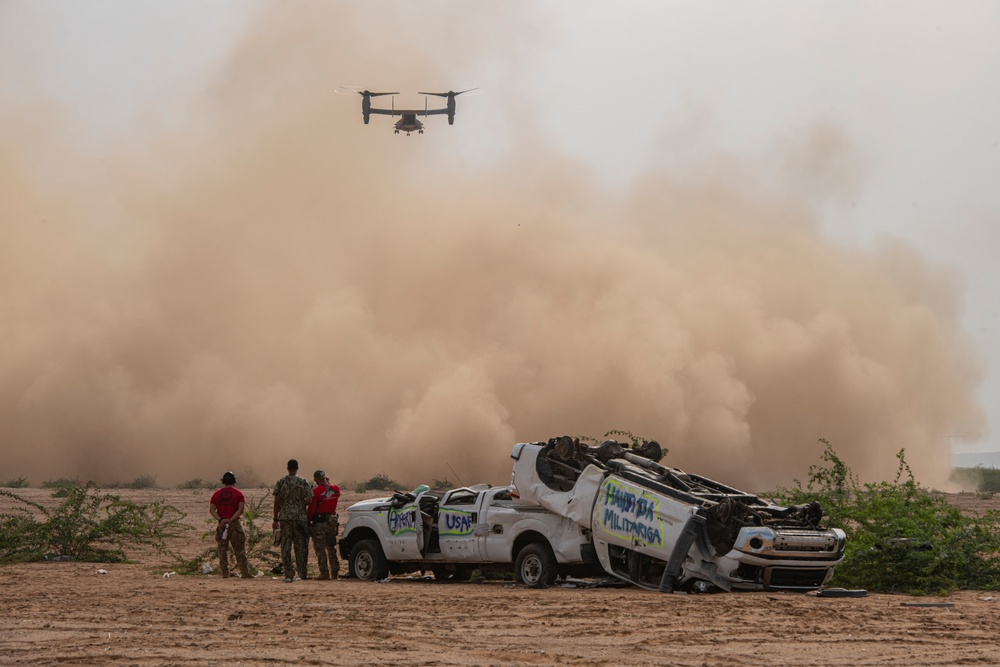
(294, 535)
(324, 537)
(238, 539)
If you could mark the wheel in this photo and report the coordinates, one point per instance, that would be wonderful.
(367, 561)
(536, 565)
(442, 573)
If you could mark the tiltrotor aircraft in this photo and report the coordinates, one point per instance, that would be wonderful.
(408, 121)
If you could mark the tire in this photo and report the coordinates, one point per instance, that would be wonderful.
(367, 561)
(536, 565)
(458, 574)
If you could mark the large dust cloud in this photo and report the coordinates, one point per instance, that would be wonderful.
(277, 280)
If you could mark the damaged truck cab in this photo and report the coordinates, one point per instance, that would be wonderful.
(663, 529)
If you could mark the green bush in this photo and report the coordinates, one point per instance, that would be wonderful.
(142, 482)
(380, 482)
(196, 483)
(901, 537)
(991, 480)
(978, 478)
(442, 485)
(19, 483)
(87, 526)
(62, 486)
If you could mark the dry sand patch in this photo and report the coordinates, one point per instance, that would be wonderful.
(63, 613)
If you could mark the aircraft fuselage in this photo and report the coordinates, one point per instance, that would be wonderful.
(409, 123)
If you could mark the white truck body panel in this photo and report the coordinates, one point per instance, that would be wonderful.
(469, 526)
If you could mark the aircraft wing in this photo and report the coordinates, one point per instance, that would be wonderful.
(400, 112)
(434, 112)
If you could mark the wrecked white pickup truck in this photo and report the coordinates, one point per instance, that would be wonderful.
(663, 529)
(456, 532)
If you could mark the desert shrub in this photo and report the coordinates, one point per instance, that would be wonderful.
(87, 526)
(978, 478)
(991, 480)
(442, 485)
(196, 483)
(901, 537)
(380, 482)
(19, 483)
(60, 483)
(62, 486)
(142, 482)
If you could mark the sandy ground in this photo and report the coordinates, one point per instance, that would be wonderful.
(64, 613)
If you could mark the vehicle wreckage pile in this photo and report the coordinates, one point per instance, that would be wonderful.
(576, 509)
(662, 528)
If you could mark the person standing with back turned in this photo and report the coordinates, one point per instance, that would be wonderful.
(292, 495)
(226, 507)
(323, 525)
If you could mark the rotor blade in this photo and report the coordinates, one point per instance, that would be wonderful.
(377, 94)
(450, 93)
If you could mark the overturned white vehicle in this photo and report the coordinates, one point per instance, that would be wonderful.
(663, 529)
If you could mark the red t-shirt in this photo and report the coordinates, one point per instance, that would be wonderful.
(324, 500)
(227, 500)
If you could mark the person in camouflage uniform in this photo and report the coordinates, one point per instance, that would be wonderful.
(292, 496)
(323, 525)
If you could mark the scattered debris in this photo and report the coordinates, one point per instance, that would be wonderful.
(102, 572)
(167, 575)
(927, 604)
(206, 568)
(842, 593)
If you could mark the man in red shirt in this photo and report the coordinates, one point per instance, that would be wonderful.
(323, 524)
(226, 507)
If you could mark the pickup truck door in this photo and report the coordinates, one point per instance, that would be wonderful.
(404, 532)
(458, 516)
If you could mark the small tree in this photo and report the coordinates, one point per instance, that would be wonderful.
(901, 537)
(86, 526)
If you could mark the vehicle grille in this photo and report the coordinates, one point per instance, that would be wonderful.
(791, 540)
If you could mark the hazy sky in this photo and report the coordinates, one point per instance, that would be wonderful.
(878, 119)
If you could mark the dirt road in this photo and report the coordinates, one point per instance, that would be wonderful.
(65, 613)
